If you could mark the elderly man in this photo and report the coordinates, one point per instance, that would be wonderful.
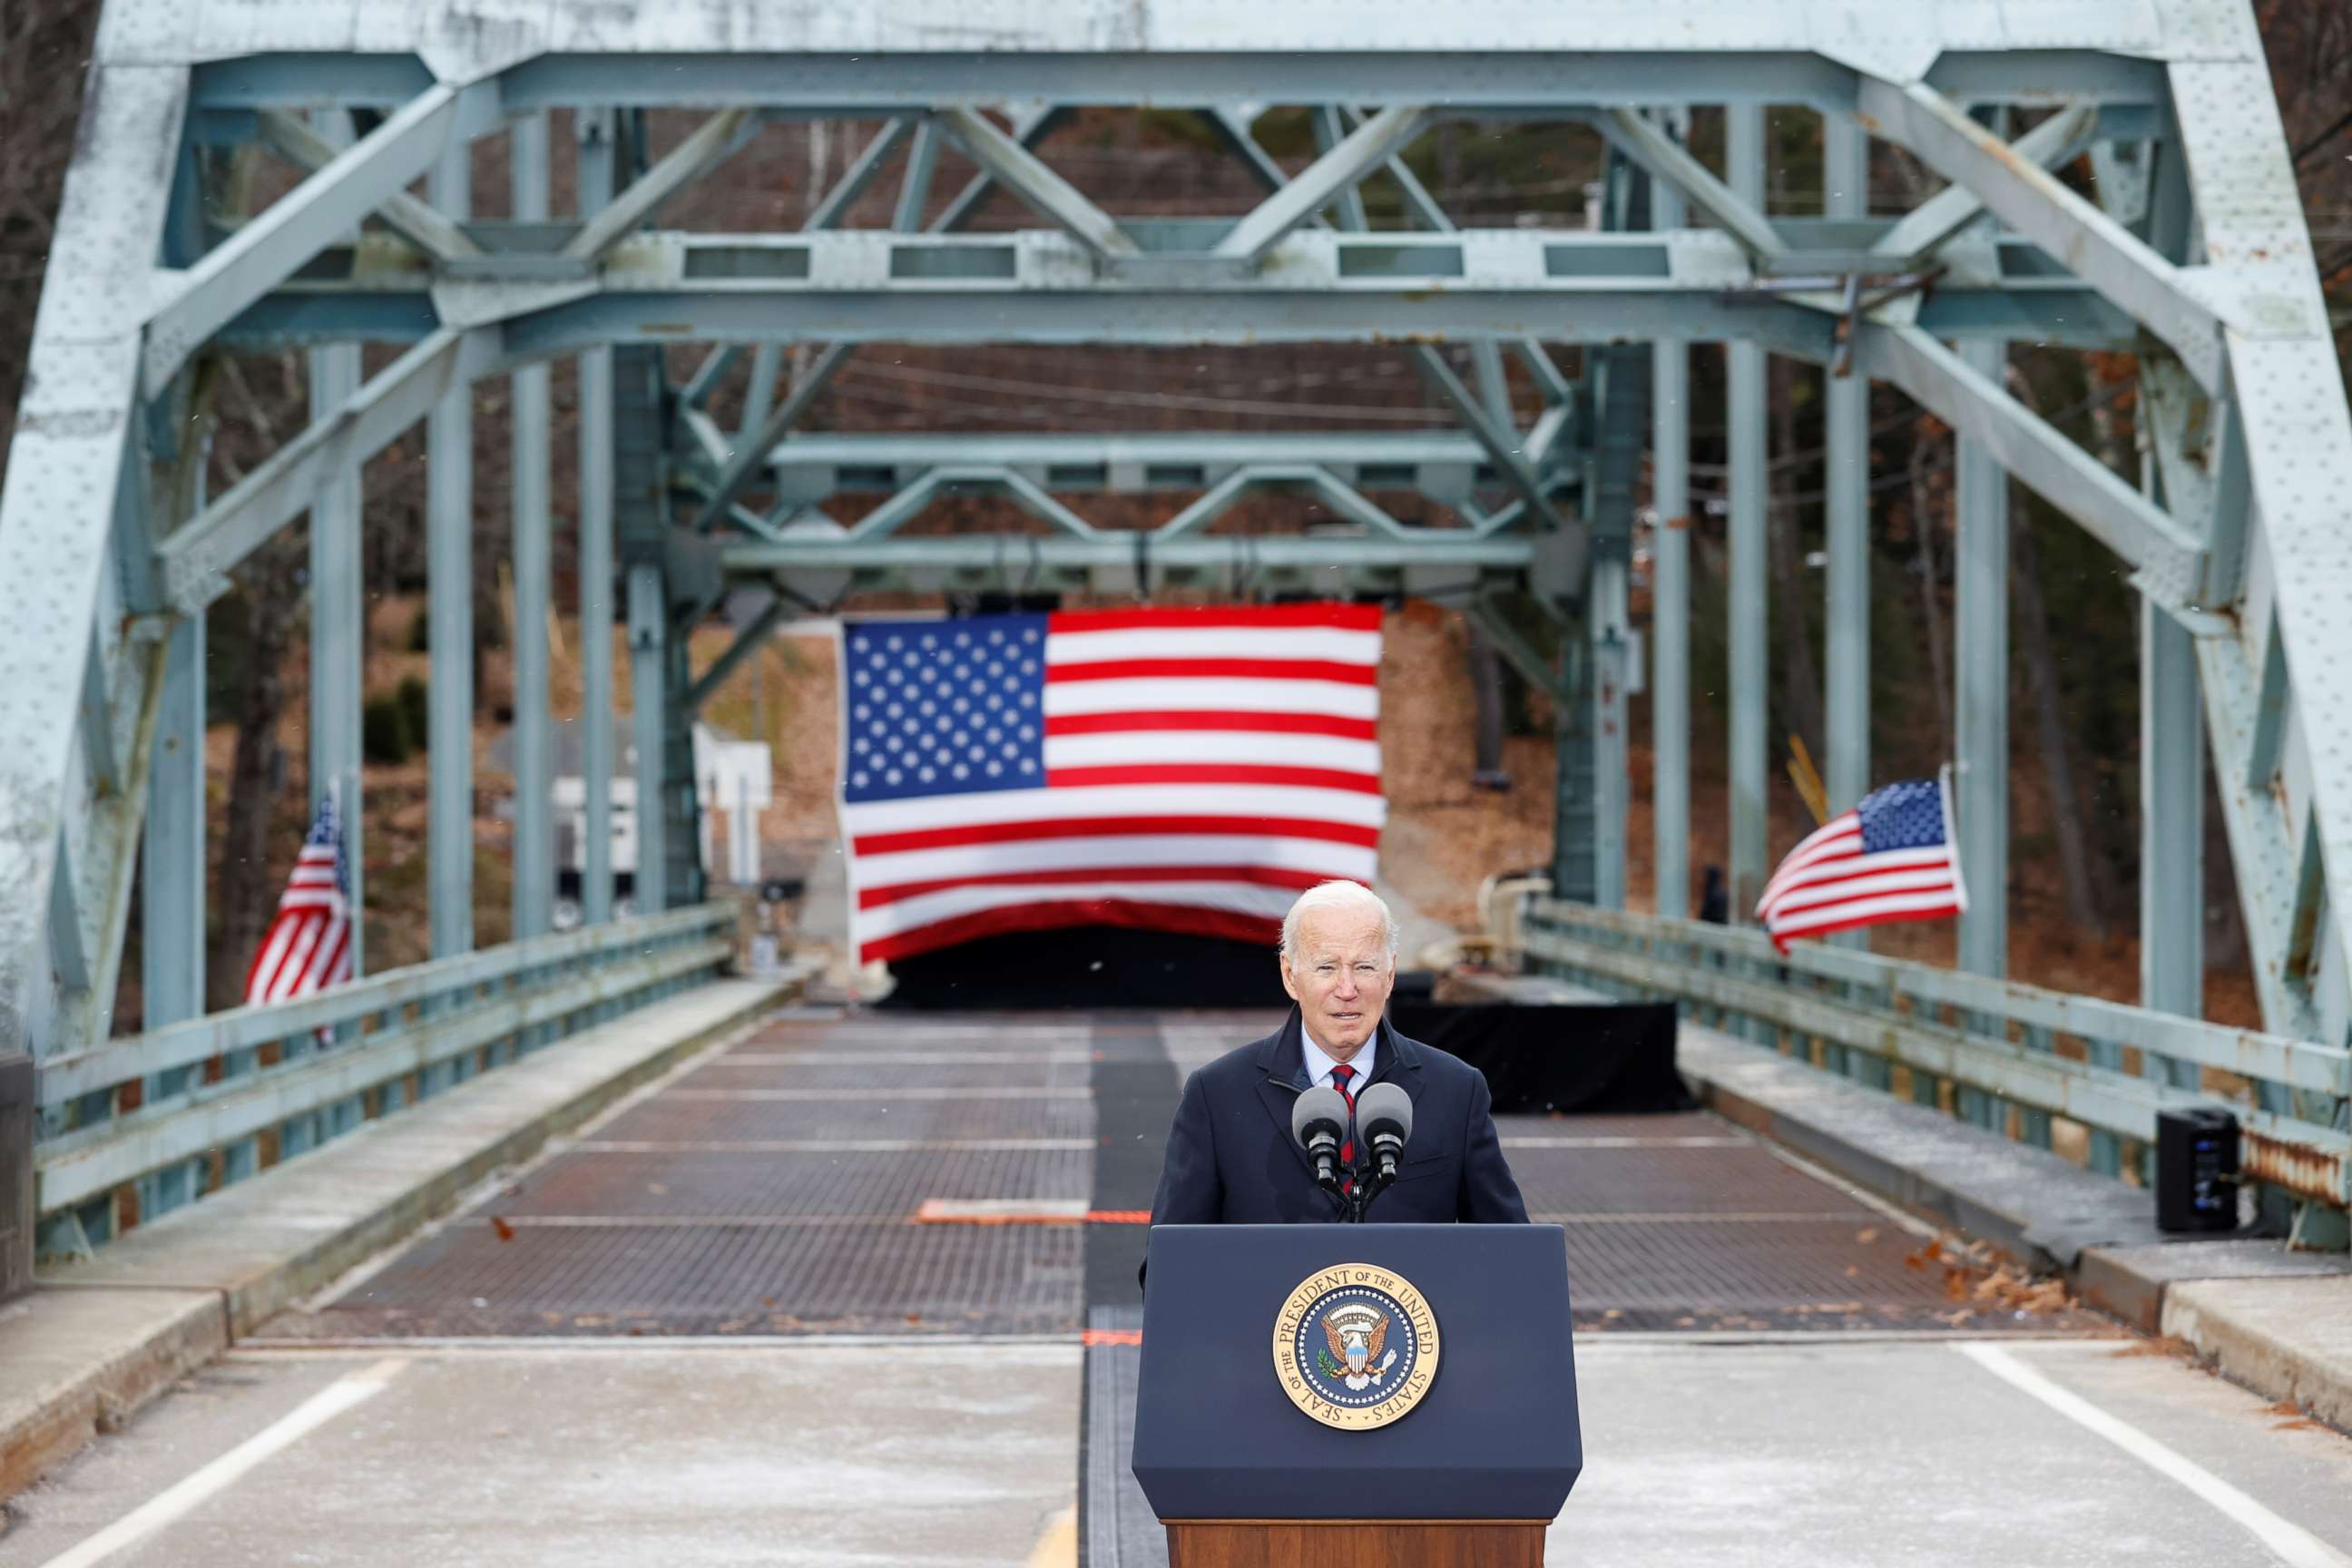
(1231, 1156)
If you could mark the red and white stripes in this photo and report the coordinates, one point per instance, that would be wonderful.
(1201, 768)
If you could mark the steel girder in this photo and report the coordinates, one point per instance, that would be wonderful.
(2247, 561)
(1042, 286)
(77, 693)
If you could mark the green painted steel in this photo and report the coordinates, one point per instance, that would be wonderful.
(454, 1017)
(1989, 1044)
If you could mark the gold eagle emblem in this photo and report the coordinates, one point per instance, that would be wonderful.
(1379, 1337)
(1375, 1356)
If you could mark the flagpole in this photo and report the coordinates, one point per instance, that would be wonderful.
(1951, 836)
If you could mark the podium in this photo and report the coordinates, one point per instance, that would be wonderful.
(1357, 1395)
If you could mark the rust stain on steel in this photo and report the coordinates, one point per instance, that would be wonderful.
(2297, 1167)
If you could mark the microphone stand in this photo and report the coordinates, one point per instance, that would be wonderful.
(1374, 1182)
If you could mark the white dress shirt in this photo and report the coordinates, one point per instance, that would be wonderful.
(1320, 1063)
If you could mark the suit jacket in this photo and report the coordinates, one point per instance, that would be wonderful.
(1232, 1160)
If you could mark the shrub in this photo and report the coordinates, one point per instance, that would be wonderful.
(384, 734)
(413, 712)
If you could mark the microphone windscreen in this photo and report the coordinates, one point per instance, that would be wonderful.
(1385, 1104)
(1322, 1103)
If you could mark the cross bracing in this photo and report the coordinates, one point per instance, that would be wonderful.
(2184, 247)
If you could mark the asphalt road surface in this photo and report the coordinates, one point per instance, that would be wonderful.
(768, 1312)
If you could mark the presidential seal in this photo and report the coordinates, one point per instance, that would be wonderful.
(1354, 1346)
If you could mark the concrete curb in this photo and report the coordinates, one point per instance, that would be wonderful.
(2275, 1321)
(2290, 1339)
(94, 1341)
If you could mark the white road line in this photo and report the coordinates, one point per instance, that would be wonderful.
(182, 1498)
(2291, 1543)
(833, 1145)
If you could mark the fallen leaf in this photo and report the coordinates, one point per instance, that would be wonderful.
(2166, 1345)
(1866, 1235)
(505, 1231)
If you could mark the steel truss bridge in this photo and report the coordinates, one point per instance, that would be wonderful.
(2191, 253)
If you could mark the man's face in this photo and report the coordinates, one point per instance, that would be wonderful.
(1340, 976)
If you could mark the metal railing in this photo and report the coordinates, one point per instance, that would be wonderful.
(152, 1121)
(2007, 1056)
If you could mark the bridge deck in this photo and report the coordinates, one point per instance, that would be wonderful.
(915, 1176)
(755, 1315)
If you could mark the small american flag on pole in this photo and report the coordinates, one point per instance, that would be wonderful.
(1174, 769)
(307, 947)
(1892, 857)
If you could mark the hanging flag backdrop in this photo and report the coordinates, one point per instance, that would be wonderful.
(307, 947)
(1186, 770)
(1892, 857)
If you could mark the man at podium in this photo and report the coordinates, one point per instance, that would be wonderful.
(1238, 1153)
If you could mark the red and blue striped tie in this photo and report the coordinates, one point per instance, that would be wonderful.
(1340, 1075)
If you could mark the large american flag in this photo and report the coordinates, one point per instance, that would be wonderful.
(307, 947)
(1892, 857)
(1186, 770)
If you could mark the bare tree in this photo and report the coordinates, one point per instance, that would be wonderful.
(44, 47)
(1799, 674)
(2087, 899)
(254, 861)
(1924, 511)
(2086, 871)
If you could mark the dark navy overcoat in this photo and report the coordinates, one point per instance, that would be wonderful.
(1232, 1160)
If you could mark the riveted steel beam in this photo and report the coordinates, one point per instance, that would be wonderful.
(2052, 144)
(1974, 404)
(1340, 170)
(1037, 187)
(198, 556)
(1664, 158)
(708, 146)
(272, 246)
(2039, 205)
(903, 507)
(862, 170)
(433, 231)
(70, 461)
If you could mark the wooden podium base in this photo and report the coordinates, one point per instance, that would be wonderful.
(1356, 1543)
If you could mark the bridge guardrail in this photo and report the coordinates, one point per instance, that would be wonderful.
(1999, 1045)
(182, 1110)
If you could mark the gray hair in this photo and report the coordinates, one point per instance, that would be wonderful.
(1336, 895)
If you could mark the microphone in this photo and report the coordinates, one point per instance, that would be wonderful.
(1319, 1121)
(1384, 1117)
